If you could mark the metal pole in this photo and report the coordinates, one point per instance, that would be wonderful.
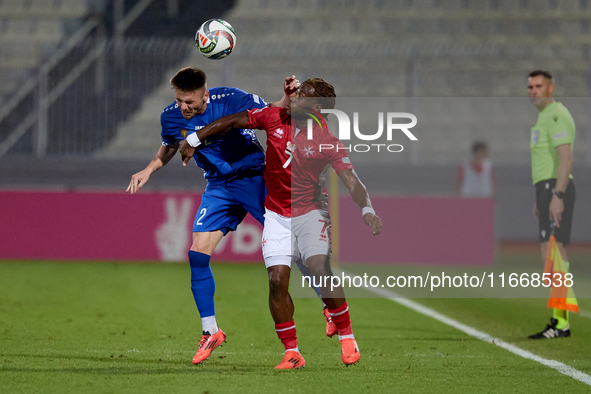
(588, 129)
(118, 14)
(101, 63)
(410, 92)
(588, 135)
(127, 19)
(42, 106)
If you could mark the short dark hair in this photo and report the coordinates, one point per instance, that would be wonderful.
(545, 74)
(189, 79)
(478, 146)
(325, 90)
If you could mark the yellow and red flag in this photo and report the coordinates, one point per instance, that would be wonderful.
(561, 295)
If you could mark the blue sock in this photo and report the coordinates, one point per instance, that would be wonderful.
(202, 283)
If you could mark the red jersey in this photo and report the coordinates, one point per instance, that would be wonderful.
(295, 164)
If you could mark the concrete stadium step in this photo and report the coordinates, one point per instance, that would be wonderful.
(43, 8)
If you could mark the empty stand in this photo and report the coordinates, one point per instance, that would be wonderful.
(29, 31)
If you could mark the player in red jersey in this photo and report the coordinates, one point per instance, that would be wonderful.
(297, 224)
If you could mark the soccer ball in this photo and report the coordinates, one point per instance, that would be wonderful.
(215, 39)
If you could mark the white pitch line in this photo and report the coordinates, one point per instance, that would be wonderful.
(585, 314)
(557, 365)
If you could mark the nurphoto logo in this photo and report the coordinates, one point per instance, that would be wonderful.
(393, 125)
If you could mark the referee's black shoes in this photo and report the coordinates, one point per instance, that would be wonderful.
(552, 332)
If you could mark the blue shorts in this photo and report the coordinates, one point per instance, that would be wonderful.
(224, 205)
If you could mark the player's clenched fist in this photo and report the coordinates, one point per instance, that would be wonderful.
(374, 222)
(291, 86)
(186, 151)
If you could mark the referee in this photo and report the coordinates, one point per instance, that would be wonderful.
(551, 144)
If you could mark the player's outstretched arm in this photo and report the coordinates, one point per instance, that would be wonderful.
(361, 198)
(163, 156)
(290, 88)
(218, 126)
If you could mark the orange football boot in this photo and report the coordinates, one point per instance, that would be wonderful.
(207, 344)
(331, 328)
(350, 350)
(292, 360)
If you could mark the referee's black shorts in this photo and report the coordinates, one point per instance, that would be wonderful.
(543, 198)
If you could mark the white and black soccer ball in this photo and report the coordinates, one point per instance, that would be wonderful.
(215, 39)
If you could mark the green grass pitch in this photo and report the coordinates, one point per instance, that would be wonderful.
(127, 328)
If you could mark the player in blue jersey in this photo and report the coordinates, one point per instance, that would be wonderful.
(233, 168)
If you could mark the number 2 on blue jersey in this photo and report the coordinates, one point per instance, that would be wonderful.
(202, 212)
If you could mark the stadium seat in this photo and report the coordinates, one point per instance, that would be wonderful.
(73, 8)
(11, 7)
(20, 29)
(49, 30)
(43, 7)
(567, 5)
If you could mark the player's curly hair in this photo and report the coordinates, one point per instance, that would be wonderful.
(188, 79)
(325, 90)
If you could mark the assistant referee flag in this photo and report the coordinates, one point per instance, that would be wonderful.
(561, 296)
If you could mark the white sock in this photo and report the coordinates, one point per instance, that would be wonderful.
(341, 337)
(293, 350)
(209, 324)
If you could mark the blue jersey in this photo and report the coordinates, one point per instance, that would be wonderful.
(221, 158)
